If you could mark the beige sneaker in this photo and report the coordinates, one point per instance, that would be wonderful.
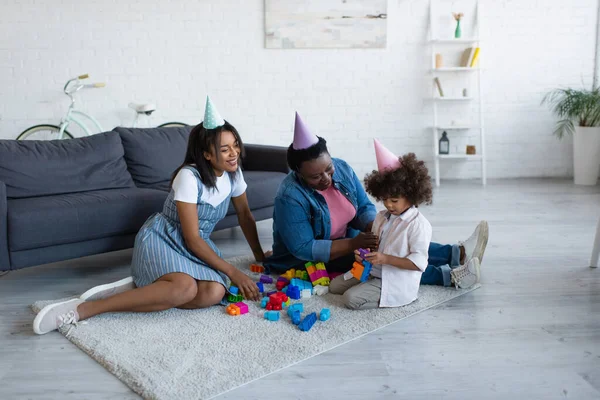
(109, 289)
(54, 316)
(466, 275)
(476, 243)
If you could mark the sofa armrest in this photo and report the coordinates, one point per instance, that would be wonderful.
(265, 158)
(4, 258)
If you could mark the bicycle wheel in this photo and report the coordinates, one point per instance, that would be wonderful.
(173, 125)
(43, 132)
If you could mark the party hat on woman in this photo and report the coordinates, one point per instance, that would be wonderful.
(385, 158)
(212, 118)
(303, 138)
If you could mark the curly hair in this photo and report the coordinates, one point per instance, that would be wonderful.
(295, 158)
(411, 181)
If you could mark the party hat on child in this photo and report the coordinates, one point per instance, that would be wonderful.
(385, 158)
(303, 138)
(212, 118)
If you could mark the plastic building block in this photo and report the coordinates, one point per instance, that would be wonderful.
(287, 302)
(233, 290)
(234, 298)
(289, 274)
(296, 317)
(325, 314)
(260, 287)
(308, 322)
(302, 275)
(281, 284)
(361, 271)
(320, 290)
(363, 253)
(276, 301)
(233, 309)
(272, 315)
(264, 301)
(243, 307)
(306, 293)
(295, 307)
(301, 284)
(318, 274)
(293, 292)
(257, 268)
(268, 294)
(266, 279)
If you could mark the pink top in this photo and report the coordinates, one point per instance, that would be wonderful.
(341, 211)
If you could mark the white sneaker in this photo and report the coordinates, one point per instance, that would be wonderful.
(476, 243)
(466, 275)
(109, 289)
(54, 316)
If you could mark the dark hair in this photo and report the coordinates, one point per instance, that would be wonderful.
(295, 158)
(411, 181)
(203, 140)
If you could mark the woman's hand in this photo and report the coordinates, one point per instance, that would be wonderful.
(247, 287)
(376, 258)
(365, 240)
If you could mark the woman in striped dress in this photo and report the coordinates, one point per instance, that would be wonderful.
(175, 264)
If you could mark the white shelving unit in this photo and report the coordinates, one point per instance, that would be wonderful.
(437, 128)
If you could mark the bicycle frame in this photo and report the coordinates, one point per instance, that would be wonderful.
(72, 113)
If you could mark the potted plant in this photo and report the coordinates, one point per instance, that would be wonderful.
(579, 113)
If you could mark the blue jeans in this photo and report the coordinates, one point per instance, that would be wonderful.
(442, 259)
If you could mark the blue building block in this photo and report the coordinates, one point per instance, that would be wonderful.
(308, 322)
(233, 290)
(260, 286)
(295, 307)
(264, 301)
(301, 284)
(296, 317)
(272, 315)
(293, 292)
(325, 314)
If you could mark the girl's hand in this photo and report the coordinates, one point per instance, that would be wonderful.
(247, 287)
(376, 258)
(357, 256)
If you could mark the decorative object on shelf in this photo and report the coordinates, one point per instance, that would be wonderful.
(291, 24)
(439, 61)
(444, 144)
(471, 149)
(475, 58)
(457, 31)
(579, 113)
(465, 92)
(439, 86)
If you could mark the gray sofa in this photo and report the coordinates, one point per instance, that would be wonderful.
(65, 199)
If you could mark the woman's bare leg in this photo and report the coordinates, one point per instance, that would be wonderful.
(209, 293)
(171, 290)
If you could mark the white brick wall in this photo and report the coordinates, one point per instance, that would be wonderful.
(175, 52)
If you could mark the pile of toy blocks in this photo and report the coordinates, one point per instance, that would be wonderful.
(317, 273)
(361, 271)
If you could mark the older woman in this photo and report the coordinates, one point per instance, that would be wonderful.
(322, 213)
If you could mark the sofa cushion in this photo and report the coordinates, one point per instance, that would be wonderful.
(69, 218)
(262, 188)
(41, 168)
(153, 154)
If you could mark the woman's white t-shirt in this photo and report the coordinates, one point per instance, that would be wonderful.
(185, 186)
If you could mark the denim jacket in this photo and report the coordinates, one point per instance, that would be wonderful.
(301, 220)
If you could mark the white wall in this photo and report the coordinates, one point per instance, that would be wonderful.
(175, 52)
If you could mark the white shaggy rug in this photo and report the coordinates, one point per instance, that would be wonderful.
(198, 354)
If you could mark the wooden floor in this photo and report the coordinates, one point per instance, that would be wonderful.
(531, 332)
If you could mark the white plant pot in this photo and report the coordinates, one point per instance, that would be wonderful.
(586, 155)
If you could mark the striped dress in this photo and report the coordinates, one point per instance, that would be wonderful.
(160, 248)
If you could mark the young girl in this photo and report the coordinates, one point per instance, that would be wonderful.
(405, 234)
(175, 264)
